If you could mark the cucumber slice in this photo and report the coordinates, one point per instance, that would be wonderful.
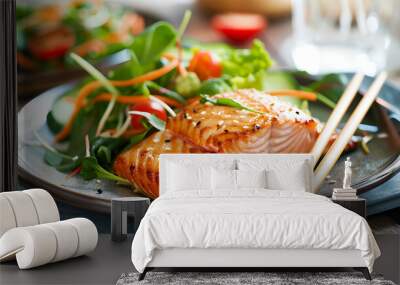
(279, 81)
(60, 113)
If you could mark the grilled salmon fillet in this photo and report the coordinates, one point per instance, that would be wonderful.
(140, 163)
(275, 127)
(281, 128)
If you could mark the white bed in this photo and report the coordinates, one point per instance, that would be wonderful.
(249, 227)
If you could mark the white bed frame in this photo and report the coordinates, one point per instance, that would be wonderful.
(249, 258)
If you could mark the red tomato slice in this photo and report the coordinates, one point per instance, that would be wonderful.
(205, 65)
(51, 44)
(151, 107)
(239, 27)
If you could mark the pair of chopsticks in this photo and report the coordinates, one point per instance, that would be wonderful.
(334, 152)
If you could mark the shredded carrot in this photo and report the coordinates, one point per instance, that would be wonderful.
(121, 99)
(130, 100)
(295, 93)
(152, 75)
(92, 86)
(79, 103)
(169, 101)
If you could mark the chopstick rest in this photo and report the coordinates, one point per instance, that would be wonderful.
(41, 244)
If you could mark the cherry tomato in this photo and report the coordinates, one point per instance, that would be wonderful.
(51, 44)
(151, 107)
(239, 27)
(205, 65)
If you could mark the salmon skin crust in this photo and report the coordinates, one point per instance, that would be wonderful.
(275, 127)
(139, 164)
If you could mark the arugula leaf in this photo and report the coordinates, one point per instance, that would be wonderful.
(152, 119)
(92, 170)
(214, 86)
(226, 102)
(153, 41)
(104, 154)
(137, 138)
(127, 70)
(69, 166)
(85, 123)
(55, 158)
(106, 148)
(166, 92)
(331, 86)
(145, 51)
(60, 161)
(166, 79)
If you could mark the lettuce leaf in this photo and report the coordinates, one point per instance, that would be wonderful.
(246, 67)
(146, 50)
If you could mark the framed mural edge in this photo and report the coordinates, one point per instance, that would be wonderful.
(8, 97)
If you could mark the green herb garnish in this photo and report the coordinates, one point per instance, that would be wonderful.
(92, 170)
(226, 102)
(153, 120)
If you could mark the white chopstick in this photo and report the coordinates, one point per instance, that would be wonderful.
(334, 152)
(336, 116)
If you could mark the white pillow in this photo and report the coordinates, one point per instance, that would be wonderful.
(294, 180)
(181, 177)
(223, 179)
(282, 174)
(251, 178)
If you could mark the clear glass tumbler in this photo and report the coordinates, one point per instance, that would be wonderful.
(344, 35)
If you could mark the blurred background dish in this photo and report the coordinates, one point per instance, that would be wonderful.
(47, 32)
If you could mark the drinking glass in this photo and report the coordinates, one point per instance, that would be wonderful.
(345, 35)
